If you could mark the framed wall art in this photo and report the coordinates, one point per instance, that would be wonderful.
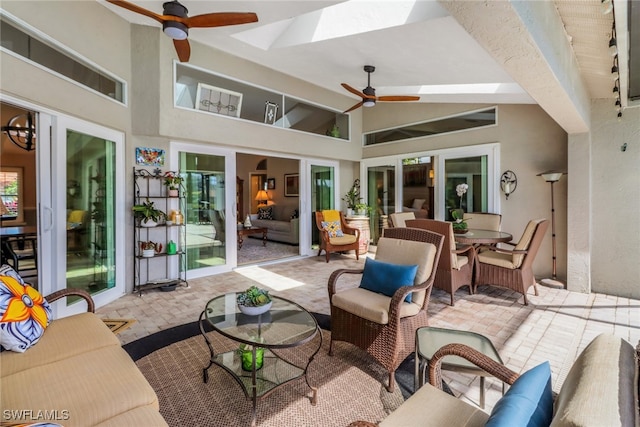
(270, 112)
(291, 185)
(149, 156)
(218, 101)
(271, 184)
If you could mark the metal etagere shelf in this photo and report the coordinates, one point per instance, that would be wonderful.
(162, 270)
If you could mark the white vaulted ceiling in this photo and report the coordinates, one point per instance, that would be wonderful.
(553, 53)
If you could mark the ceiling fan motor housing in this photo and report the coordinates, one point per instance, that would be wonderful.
(175, 30)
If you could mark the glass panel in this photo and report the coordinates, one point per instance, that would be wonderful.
(51, 57)
(417, 186)
(473, 172)
(381, 197)
(433, 127)
(90, 192)
(322, 195)
(206, 213)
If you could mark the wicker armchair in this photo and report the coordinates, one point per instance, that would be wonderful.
(350, 240)
(455, 268)
(385, 326)
(512, 268)
(91, 308)
(441, 410)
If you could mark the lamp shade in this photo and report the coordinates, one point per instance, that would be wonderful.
(262, 196)
(551, 176)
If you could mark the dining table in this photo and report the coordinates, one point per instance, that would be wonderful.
(476, 237)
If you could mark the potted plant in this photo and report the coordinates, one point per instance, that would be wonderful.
(147, 213)
(361, 209)
(459, 225)
(352, 197)
(254, 301)
(173, 182)
(148, 249)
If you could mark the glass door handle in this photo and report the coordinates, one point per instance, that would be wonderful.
(48, 223)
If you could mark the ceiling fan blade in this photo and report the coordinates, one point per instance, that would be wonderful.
(220, 19)
(183, 49)
(398, 98)
(356, 91)
(137, 9)
(358, 105)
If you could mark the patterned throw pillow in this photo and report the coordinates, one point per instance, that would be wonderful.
(7, 270)
(333, 228)
(24, 314)
(265, 213)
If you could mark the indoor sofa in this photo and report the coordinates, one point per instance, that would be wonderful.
(282, 227)
(77, 374)
(601, 389)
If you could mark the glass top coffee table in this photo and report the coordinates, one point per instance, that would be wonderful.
(430, 339)
(285, 325)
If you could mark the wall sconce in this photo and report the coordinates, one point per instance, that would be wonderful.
(21, 131)
(508, 183)
(73, 188)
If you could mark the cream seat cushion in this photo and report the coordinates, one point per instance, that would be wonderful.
(63, 338)
(347, 239)
(430, 407)
(508, 260)
(370, 305)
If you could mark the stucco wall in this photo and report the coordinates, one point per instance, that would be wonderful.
(530, 143)
(615, 176)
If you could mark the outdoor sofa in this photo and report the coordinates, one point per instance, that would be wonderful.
(77, 374)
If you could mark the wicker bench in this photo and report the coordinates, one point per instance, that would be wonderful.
(601, 389)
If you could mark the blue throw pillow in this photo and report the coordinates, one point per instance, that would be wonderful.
(529, 401)
(385, 278)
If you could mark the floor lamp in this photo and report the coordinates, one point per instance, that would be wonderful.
(552, 177)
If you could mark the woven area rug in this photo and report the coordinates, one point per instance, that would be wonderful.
(350, 387)
(118, 325)
(253, 251)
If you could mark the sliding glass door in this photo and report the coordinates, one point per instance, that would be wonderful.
(211, 207)
(322, 195)
(88, 215)
(380, 196)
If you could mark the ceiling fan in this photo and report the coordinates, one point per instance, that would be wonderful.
(176, 23)
(368, 94)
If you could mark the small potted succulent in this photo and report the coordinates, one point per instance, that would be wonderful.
(147, 214)
(254, 301)
(173, 181)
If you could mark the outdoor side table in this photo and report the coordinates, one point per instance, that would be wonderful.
(430, 339)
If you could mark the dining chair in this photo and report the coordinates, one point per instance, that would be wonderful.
(384, 325)
(398, 219)
(455, 267)
(21, 254)
(512, 268)
(335, 234)
(483, 220)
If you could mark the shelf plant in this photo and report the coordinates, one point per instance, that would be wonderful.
(147, 213)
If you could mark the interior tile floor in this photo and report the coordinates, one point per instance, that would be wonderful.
(555, 326)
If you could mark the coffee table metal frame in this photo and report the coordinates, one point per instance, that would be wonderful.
(268, 331)
(430, 339)
(252, 230)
